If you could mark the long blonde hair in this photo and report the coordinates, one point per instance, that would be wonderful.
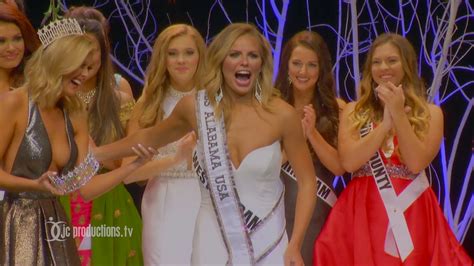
(45, 70)
(216, 54)
(368, 108)
(157, 81)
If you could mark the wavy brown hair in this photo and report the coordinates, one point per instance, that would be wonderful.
(11, 14)
(157, 81)
(368, 108)
(104, 115)
(324, 96)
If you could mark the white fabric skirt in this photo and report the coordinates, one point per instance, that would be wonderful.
(169, 210)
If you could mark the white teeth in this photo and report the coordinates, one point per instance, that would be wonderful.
(303, 79)
(76, 81)
(243, 72)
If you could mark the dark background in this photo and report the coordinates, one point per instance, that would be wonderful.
(196, 12)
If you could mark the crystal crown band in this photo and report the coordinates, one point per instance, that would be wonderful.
(58, 29)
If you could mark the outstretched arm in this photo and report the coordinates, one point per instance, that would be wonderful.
(180, 122)
(154, 168)
(102, 183)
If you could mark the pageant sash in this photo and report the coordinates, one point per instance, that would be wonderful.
(398, 242)
(222, 189)
(323, 190)
(267, 232)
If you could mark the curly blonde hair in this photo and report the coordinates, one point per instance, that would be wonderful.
(45, 70)
(217, 52)
(368, 108)
(157, 81)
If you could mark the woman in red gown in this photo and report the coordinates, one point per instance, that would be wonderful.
(388, 214)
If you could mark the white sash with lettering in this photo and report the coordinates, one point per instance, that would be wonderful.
(323, 190)
(267, 232)
(398, 242)
(221, 183)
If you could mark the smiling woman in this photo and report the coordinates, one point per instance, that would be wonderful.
(34, 150)
(241, 124)
(171, 199)
(388, 214)
(108, 110)
(306, 81)
(18, 40)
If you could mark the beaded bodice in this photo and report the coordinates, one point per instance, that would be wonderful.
(393, 164)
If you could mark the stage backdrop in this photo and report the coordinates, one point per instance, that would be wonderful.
(441, 30)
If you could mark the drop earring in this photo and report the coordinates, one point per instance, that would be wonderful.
(219, 95)
(258, 92)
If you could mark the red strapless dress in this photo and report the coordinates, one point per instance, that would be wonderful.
(354, 233)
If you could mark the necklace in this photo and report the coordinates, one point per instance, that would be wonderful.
(179, 94)
(87, 97)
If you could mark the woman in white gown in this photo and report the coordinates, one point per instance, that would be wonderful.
(171, 201)
(241, 123)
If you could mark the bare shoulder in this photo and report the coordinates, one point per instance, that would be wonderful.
(125, 98)
(124, 86)
(435, 111)
(341, 103)
(284, 111)
(349, 107)
(281, 106)
(13, 102)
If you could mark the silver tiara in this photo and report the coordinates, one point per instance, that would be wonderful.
(58, 29)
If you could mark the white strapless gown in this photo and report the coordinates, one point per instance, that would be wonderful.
(259, 185)
(169, 207)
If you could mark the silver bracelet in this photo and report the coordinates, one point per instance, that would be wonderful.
(77, 177)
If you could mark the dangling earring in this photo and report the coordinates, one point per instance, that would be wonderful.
(219, 95)
(258, 91)
(289, 81)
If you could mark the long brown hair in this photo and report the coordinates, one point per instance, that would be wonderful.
(104, 115)
(368, 108)
(324, 96)
(11, 14)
